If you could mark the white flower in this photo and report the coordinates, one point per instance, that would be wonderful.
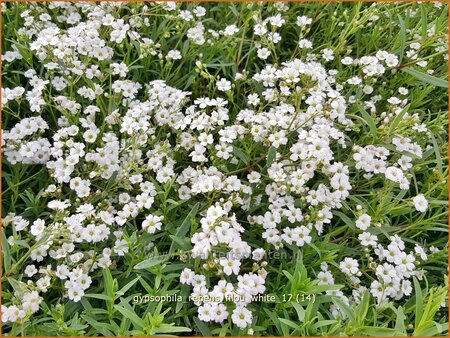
(327, 54)
(258, 254)
(223, 85)
(279, 138)
(230, 30)
(363, 222)
(187, 276)
(263, 53)
(253, 99)
(120, 69)
(58, 205)
(37, 228)
(325, 277)
(230, 266)
(303, 43)
(174, 54)
(152, 223)
(347, 60)
(303, 21)
(394, 174)
(254, 177)
(241, 317)
(30, 270)
(367, 239)
(349, 266)
(205, 312)
(199, 11)
(198, 153)
(260, 29)
(403, 91)
(355, 80)
(420, 203)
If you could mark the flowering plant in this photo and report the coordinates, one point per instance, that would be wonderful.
(223, 153)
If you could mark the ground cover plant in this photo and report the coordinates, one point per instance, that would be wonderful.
(224, 168)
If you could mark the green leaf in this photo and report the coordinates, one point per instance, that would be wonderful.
(435, 297)
(109, 283)
(123, 290)
(427, 78)
(271, 156)
(363, 307)
(398, 118)
(323, 288)
(219, 65)
(184, 292)
(323, 323)
(400, 321)
(170, 328)
(300, 311)
(131, 315)
(97, 296)
(202, 327)
(378, 331)
(184, 228)
(6, 253)
(435, 329)
(369, 120)
(345, 308)
(112, 180)
(152, 261)
(275, 320)
(240, 154)
(345, 218)
(402, 37)
(103, 328)
(419, 301)
(224, 330)
(437, 154)
(289, 323)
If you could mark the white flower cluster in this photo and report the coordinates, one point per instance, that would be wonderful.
(23, 143)
(310, 117)
(108, 161)
(392, 266)
(29, 304)
(222, 231)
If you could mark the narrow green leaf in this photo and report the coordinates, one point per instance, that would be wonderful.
(240, 154)
(427, 78)
(288, 322)
(345, 218)
(437, 154)
(171, 328)
(345, 308)
(123, 290)
(271, 156)
(377, 331)
(400, 321)
(300, 311)
(6, 253)
(131, 315)
(184, 228)
(108, 280)
(97, 296)
(152, 261)
(202, 327)
(103, 328)
(401, 38)
(397, 119)
(419, 301)
(369, 120)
